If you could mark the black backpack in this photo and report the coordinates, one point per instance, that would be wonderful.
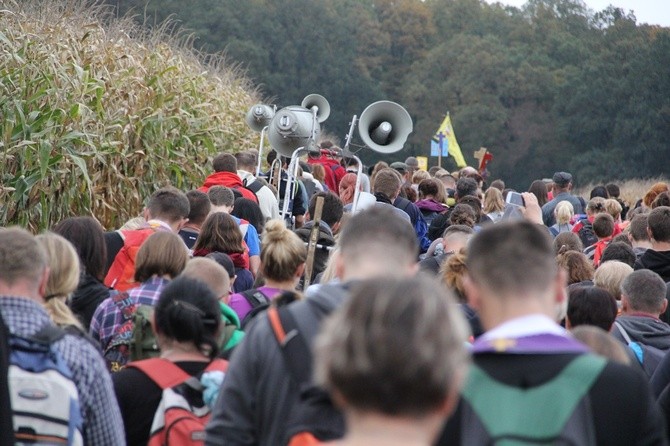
(586, 234)
(260, 303)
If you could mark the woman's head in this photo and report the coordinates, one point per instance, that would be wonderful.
(249, 211)
(452, 273)
(282, 254)
(577, 265)
(87, 237)
(220, 233)
(188, 312)
(429, 188)
(347, 188)
(63, 279)
(567, 241)
(564, 212)
(539, 189)
(493, 200)
(162, 254)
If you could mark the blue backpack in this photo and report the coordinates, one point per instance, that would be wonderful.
(44, 398)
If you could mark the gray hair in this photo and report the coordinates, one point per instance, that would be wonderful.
(645, 291)
(21, 257)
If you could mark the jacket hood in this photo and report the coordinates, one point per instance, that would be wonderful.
(646, 330)
(430, 205)
(227, 179)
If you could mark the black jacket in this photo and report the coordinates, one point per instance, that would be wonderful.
(624, 412)
(89, 294)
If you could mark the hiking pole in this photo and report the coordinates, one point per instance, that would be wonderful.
(313, 238)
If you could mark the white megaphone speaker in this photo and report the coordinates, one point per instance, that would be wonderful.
(259, 116)
(291, 128)
(318, 101)
(384, 126)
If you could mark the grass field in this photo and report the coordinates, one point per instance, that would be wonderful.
(631, 190)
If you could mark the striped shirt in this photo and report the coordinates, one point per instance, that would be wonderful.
(102, 420)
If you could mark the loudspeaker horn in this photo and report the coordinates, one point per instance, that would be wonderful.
(384, 126)
(259, 116)
(291, 128)
(321, 103)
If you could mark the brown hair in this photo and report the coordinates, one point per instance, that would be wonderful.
(452, 273)
(577, 265)
(163, 253)
(220, 233)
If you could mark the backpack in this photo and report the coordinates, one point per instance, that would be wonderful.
(121, 274)
(649, 357)
(586, 234)
(314, 418)
(133, 339)
(498, 413)
(44, 397)
(182, 414)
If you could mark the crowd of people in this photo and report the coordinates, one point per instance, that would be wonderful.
(423, 308)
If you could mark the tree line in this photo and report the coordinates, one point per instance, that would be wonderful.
(549, 86)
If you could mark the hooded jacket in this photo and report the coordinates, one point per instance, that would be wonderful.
(230, 180)
(645, 330)
(657, 261)
(89, 294)
(258, 393)
(320, 254)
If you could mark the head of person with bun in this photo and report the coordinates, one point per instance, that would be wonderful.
(283, 256)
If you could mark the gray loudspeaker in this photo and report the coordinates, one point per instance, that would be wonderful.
(318, 101)
(384, 126)
(259, 116)
(291, 128)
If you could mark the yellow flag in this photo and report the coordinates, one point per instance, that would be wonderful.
(445, 140)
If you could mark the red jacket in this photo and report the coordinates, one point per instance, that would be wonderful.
(231, 180)
(334, 172)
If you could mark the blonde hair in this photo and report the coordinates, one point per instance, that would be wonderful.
(282, 252)
(493, 201)
(63, 279)
(610, 275)
(613, 208)
(564, 212)
(419, 176)
(452, 273)
(330, 273)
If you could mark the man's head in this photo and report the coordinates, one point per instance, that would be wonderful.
(658, 222)
(466, 187)
(225, 162)
(387, 182)
(199, 207)
(512, 272)
(246, 161)
(374, 242)
(332, 209)
(23, 264)
(562, 181)
(211, 273)
(643, 291)
(169, 205)
(447, 179)
(603, 225)
(637, 230)
(589, 305)
(397, 313)
(222, 199)
(619, 251)
(412, 164)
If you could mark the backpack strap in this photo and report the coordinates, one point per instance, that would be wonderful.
(254, 186)
(623, 332)
(255, 297)
(49, 334)
(220, 365)
(163, 372)
(295, 351)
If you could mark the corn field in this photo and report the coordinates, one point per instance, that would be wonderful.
(96, 114)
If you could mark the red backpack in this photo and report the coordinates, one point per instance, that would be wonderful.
(182, 415)
(121, 274)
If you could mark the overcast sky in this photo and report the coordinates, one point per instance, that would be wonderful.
(655, 12)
